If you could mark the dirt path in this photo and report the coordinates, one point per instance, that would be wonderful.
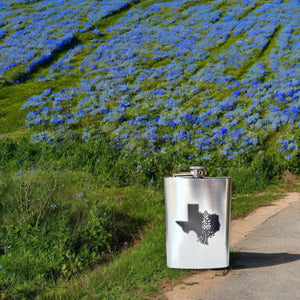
(190, 287)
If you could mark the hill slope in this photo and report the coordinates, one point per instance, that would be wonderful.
(202, 78)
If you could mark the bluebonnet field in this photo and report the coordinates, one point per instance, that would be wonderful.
(31, 33)
(176, 75)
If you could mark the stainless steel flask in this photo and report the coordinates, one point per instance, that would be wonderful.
(197, 212)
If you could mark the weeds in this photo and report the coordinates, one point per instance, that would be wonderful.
(53, 222)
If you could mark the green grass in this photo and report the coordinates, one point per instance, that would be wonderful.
(136, 272)
(243, 204)
(12, 119)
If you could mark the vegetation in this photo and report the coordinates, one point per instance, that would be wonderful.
(98, 106)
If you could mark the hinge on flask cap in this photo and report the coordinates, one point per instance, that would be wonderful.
(198, 171)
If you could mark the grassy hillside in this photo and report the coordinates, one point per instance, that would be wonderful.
(99, 100)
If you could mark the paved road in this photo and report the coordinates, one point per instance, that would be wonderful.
(268, 266)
